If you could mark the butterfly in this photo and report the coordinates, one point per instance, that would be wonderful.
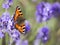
(19, 20)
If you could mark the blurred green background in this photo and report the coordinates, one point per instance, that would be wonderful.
(28, 8)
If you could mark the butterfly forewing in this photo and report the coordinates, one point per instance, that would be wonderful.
(18, 13)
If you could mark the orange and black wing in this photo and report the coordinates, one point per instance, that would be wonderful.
(21, 27)
(18, 13)
(19, 19)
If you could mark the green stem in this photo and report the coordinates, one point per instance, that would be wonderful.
(3, 41)
(7, 39)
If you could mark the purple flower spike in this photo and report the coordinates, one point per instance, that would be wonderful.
(56, 9)
(5, 16)
(45, 39)
(27, 26)
(18, 42)
(45, 30)
(1, 34)
(10, 25)
(15, 34)
(25, 42)
(10, 2)
(5, 25)
(43, 12)
(6, 6)
(37, 42)
(43, 34)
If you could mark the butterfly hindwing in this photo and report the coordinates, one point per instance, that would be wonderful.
(21, 28)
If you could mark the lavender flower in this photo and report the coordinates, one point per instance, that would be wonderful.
(15, 34)
(12, 31)
(10, 2)
(18, 42)
(5, 18)
(1, 34)
(10, 25)
(7, 4)
(43, 12)
(43, 34)
(27, 26)
(55, 9)
(7, 24)
(25, 42)
(37, 42)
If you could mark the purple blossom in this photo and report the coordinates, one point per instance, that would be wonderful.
(7, 24)
(10, 2)
(18, 42)
(2, 31)
(45, 39)
(45, 30)
(37, 42)
(43, 34)
(27, 26)
(25, 42)
(5, 16)
(7, 4)
(15, 34)
(55, 9)
(1, 34)
(43, 12)
(10, 25)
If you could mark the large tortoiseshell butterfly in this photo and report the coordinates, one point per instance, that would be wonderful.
(19, 20)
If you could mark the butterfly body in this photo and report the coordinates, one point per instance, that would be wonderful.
(19, 20)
